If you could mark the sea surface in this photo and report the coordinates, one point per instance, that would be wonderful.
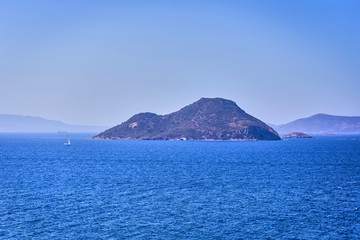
(105, 189)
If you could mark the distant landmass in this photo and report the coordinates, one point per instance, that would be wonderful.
(296, 135)
(206, 119)
(19, 123)
(321, 124)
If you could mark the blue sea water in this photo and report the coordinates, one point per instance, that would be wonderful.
(95, 189)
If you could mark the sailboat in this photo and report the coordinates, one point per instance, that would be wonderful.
(68, 142)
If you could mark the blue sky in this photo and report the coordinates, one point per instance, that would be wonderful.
(100, 62)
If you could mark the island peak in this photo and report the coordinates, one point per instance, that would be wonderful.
(205, 119)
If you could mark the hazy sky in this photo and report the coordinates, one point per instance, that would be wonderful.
(100, 62)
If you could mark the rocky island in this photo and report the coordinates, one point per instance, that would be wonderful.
(296, 135)
(206, 119)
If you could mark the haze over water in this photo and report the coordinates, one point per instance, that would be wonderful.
(294, 189)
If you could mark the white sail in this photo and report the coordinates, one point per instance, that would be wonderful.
(68, 142)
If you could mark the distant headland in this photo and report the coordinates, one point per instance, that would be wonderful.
(206, 119)
(323, 124)
(10, 123)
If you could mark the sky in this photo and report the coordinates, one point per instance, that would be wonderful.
(100, 62)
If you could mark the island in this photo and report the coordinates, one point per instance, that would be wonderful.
(296, 135)
(207, 119)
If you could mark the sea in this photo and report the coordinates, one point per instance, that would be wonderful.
(118, 189)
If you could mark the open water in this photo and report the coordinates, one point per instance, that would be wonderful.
(95, 189)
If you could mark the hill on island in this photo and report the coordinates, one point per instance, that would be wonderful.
(26, 124)
(322, 124)
(206, 119)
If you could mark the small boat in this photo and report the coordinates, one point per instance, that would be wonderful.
(68, 142)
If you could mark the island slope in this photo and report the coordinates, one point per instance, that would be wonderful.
(206, 119)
